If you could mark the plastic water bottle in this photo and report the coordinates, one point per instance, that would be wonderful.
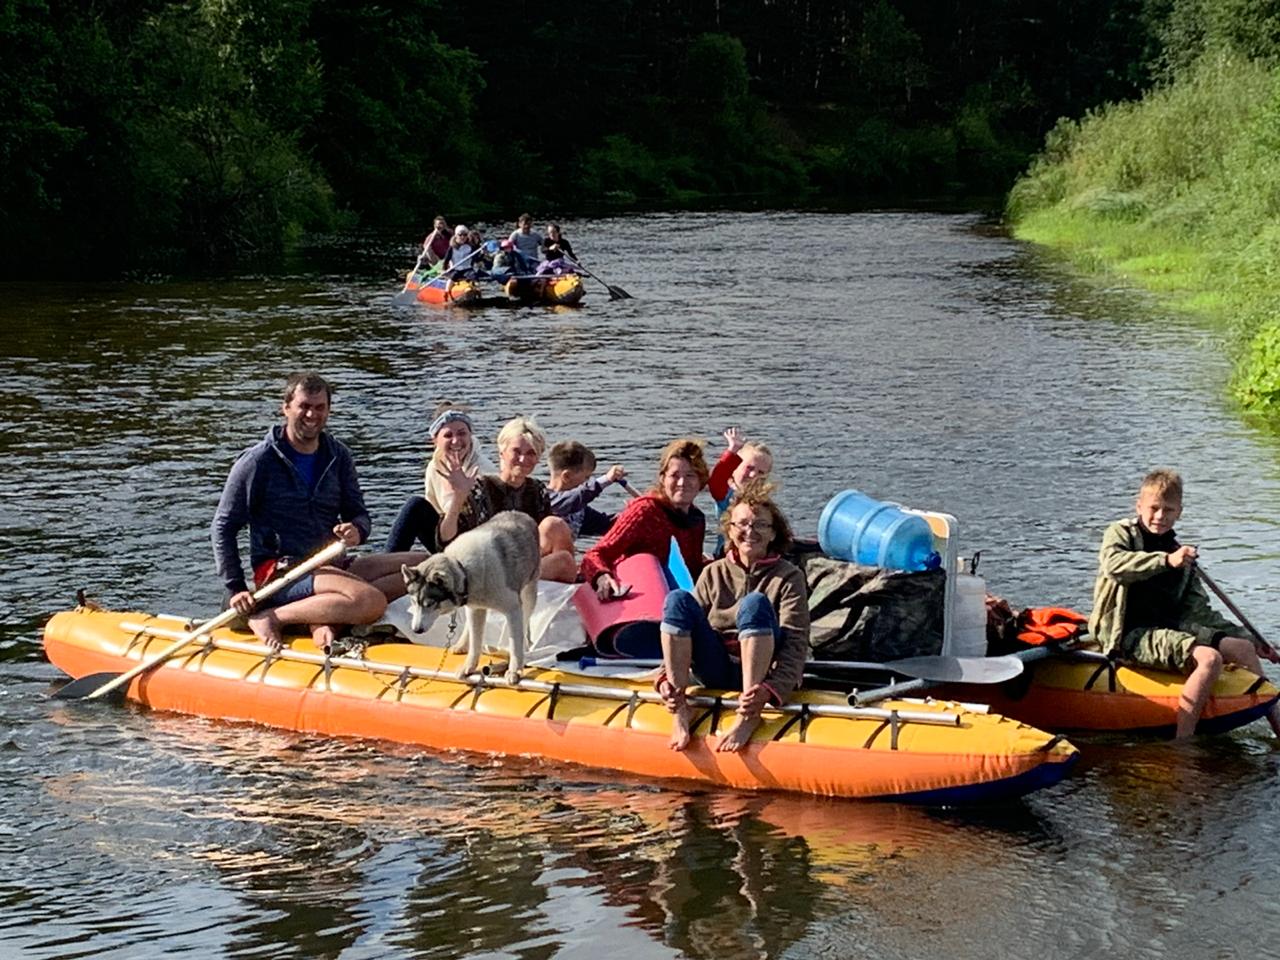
(969, 617)
(859, 529)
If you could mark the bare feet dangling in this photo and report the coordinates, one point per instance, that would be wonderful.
(680, 734)
(739, 734)
(675, 701)
(266, 627)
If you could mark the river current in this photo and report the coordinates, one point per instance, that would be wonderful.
(926, 359)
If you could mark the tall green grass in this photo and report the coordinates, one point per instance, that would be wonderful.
(1180, 192)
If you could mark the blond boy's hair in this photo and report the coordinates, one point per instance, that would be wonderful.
(758, 447)
(1165, 483)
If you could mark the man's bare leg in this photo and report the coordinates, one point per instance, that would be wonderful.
(339, 598)
(382, 570)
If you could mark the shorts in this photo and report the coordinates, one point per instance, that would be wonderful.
(1161, 647)
(300, 589)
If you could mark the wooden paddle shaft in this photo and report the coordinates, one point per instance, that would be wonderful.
(331, 552)
(1244, 621)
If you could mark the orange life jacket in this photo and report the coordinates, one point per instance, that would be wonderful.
(1041, 625)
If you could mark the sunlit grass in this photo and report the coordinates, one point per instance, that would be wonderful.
(1180, 194)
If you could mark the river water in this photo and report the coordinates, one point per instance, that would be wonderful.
(922, 358)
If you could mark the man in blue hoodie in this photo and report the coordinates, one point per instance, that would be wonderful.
(296, 491)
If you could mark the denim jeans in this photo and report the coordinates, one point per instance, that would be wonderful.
(416, 521)
(682, 614)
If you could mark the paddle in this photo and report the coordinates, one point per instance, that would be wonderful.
(615, 293)
(99, 684)
(417, 264)
(679, 569)
(1217, 590)
(967, 667)
(484, 247)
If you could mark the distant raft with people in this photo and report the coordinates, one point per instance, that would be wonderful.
(564, 289)
(931, 752)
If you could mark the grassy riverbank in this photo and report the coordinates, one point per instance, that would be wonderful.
(1179, 192)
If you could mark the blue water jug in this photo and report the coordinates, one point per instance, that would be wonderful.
(861, 530)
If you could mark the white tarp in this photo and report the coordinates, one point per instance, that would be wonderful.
(555, 624)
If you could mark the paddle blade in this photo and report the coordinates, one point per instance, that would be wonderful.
(679, 569)
(617, 293)
(81, 688)
(958, 669)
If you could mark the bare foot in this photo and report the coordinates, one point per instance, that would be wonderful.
(739, 734)
(266, 627)
(323, 637)
(680, 727)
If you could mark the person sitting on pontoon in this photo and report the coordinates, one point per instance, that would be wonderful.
(744, 627)
(436, 244)
(556, 245)
(527, 243)
(456, 264)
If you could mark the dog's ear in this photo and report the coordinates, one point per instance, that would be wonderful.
(407, 572)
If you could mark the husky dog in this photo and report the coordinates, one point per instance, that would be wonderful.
(493, 567)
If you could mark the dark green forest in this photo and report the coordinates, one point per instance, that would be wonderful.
(207, 134)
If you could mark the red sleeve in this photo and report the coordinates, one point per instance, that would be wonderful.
(642, 527)
(718, 485)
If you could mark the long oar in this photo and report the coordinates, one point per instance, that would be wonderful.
(615, 293)
(409, 276)
(1217, 590)
(99, 684)
(679, 569)
(451, 268)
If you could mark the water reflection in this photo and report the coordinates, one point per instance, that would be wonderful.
(919, 358)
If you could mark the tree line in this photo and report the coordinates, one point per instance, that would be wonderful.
(167, 134)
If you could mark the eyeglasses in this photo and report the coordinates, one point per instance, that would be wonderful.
(759, 526)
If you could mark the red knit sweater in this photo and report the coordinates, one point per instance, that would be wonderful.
(646, 525)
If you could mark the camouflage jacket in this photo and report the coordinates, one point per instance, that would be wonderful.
(1121, 562)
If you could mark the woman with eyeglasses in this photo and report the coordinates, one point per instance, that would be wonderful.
(744, 627)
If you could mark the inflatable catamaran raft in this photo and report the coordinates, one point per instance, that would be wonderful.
(917, 751)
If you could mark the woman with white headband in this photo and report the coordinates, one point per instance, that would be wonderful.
(454, 449)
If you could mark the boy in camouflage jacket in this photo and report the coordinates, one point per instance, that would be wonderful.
(1149, 607)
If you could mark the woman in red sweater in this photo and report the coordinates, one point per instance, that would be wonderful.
(648, 522)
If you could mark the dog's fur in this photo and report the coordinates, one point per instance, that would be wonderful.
(493, 567)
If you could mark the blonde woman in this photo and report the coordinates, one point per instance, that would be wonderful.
(454, 448)
(473, 500)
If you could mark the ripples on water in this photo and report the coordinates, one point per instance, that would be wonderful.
(919, 358)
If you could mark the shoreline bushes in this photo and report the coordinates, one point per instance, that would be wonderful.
(1180, 191)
